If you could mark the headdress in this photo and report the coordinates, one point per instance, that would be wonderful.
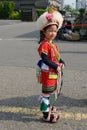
(50, 18)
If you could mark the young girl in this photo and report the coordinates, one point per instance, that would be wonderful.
(50, 63)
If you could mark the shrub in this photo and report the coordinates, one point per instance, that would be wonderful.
(1, 8)
(77, 28)
(6, 8)
(40, 11)
(5, 11)
(15, 15)
(11, 7)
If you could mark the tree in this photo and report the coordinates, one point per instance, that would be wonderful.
(68, 8)
(73, 11)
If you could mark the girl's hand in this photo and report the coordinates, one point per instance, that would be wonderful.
(58, 69)
(62, 65)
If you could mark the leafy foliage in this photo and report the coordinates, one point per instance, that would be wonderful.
(73, 11)
(7, 10)
(68, 8)
(40, 11)
(15, 15)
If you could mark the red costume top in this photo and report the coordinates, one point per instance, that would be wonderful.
(46, 48)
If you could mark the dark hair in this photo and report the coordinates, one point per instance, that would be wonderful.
(42, 36)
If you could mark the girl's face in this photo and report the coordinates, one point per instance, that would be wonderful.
(50, 32)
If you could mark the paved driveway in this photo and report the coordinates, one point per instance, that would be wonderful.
(19, 91)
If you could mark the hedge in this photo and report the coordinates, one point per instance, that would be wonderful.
(7, 10)
(40, 11)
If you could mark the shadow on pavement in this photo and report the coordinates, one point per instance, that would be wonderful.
(29, 102)
(32, 101)
(20, 117)
(33, 34)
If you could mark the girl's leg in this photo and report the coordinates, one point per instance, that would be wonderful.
(50, 117)
(48, 112)
(54, 110)
(44, 104)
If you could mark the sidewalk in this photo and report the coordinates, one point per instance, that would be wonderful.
(9, 22)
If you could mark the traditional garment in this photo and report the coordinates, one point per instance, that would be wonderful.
(44, 101)
(50, 60)
(49, 75)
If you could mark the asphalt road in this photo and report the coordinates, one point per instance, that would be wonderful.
(19, 91)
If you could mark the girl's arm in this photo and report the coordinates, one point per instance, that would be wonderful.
(61, 61)
(48, 62)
